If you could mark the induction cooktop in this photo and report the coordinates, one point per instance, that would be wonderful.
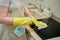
(52, 31)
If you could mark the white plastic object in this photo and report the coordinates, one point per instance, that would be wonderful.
(19, 31)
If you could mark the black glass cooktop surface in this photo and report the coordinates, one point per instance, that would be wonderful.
(53, 29)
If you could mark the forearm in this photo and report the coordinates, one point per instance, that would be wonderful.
(6, 20)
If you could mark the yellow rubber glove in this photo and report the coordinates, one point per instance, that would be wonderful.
(26, 21)
(38, 23)
(22, 21)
